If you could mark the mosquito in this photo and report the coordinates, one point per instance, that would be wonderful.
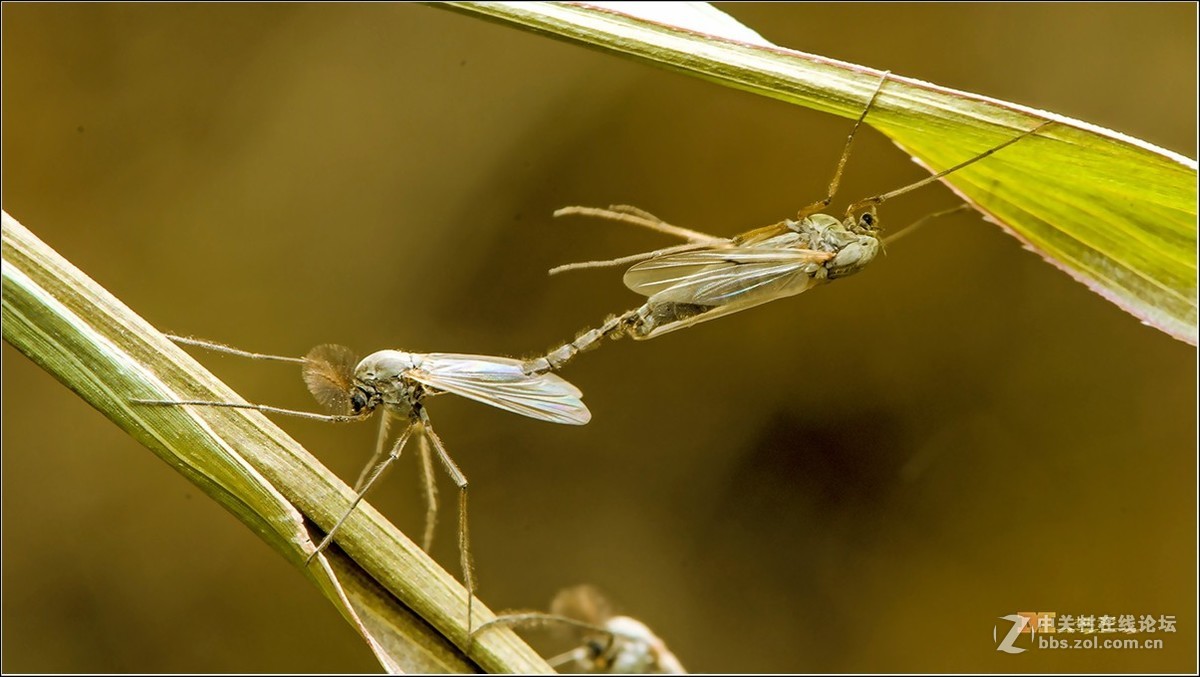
(709, 277)
(611, 643)
(397, 383)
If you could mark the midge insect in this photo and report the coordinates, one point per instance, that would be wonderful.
(611, 643)
(710, 277)
(397, 383)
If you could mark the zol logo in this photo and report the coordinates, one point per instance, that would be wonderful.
(1008, 644)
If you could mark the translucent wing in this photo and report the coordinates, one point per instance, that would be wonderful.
(503, 383)
(689, 319)
(719, 276)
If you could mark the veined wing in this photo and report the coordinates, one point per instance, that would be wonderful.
(503, 383)
(795, 285)
(723, 275)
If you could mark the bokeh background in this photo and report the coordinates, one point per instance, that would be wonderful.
(862, 478)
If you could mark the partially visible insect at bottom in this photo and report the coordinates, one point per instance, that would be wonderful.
(611, 643)
(710, 277)
(397, 383)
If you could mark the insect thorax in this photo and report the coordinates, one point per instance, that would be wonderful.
(383, 374)
(852, 245)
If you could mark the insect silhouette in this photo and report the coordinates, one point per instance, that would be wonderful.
(610, 643)
(397, 383)
(710, 277)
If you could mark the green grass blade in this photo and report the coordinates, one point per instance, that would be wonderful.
(1116, 213)
(409, 611)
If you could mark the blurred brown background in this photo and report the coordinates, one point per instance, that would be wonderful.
(859, 479)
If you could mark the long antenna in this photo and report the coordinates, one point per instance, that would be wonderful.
(878, 199)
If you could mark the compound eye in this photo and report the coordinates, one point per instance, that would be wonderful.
(867, 220)
(358, 401)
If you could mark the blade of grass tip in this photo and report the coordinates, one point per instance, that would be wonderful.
(1141, 255)
(410, 611)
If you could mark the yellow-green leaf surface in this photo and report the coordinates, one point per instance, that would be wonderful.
(410, 612)
(1116, 213)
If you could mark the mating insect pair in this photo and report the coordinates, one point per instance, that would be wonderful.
(397, 383)
(705, 278)
(710, 277)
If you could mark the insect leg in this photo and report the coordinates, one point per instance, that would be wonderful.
(331, 418)
(820, 205)
(464, 538)
(626, 260)
(429, 485)
(641, 218)
(385, 423)
(579, 655)
(395, 454)
(922, 221)
(230, 350)
(636, 211)
(584, 655)
(535, 619)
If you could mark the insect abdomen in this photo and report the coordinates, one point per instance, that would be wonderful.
(655, 315)
(614, 327)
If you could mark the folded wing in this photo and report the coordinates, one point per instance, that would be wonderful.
(502, 382)
(719, 276)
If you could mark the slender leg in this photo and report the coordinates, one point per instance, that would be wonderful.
(636, 211)
(614, 327)
(222, 348)
(464, 537)
(396, 449)
(535, 619)
(922, 221)
(641, 218)
(626, 260)
(331, 418)
(584, 655)
(576, 655)
(429, 485)
(385, 423)
(820, 205)
(879, 199)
